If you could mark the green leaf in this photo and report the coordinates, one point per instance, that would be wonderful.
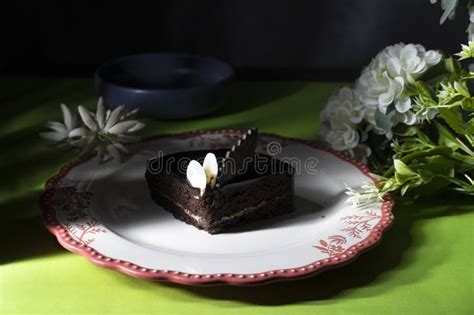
(439, 165)
(453, 66)
(453, 117)
(440, 150)
(402, 169)
(446, 138)
(470, 126)
(436, 174)
(463, 163)
(406, 146)
(423, 137)
(433, 186)
(404, 130)
(426, 176)
(401, 179)
(461, 88)
(468, 104)
(423, 89)
(405, 189)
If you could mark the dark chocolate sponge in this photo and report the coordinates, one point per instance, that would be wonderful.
(262, 189)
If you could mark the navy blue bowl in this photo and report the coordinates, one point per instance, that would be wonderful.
(168, 86)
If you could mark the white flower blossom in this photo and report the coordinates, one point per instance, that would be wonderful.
(381, 85)
(103, 132)
(470, 28)
(339, 121)
(376, 88)
(62, 133)
(409, 61)
(449, 8)
(408, 118)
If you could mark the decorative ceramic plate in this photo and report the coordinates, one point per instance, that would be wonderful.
(104, 212)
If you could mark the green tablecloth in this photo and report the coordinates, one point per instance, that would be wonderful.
(423, 266)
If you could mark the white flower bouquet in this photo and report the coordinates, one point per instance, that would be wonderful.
(410, 116)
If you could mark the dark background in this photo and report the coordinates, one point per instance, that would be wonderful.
(330, 39)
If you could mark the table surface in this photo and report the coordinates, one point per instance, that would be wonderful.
(424, 264)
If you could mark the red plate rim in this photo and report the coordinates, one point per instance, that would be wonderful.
(68, 242)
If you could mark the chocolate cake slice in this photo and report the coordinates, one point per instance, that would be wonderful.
(249, 187)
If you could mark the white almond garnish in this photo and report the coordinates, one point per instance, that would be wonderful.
(196, 176)
(199, 176)
(210, 168)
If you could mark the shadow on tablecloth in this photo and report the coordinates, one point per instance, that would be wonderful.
(370, 266)
(27, 238)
